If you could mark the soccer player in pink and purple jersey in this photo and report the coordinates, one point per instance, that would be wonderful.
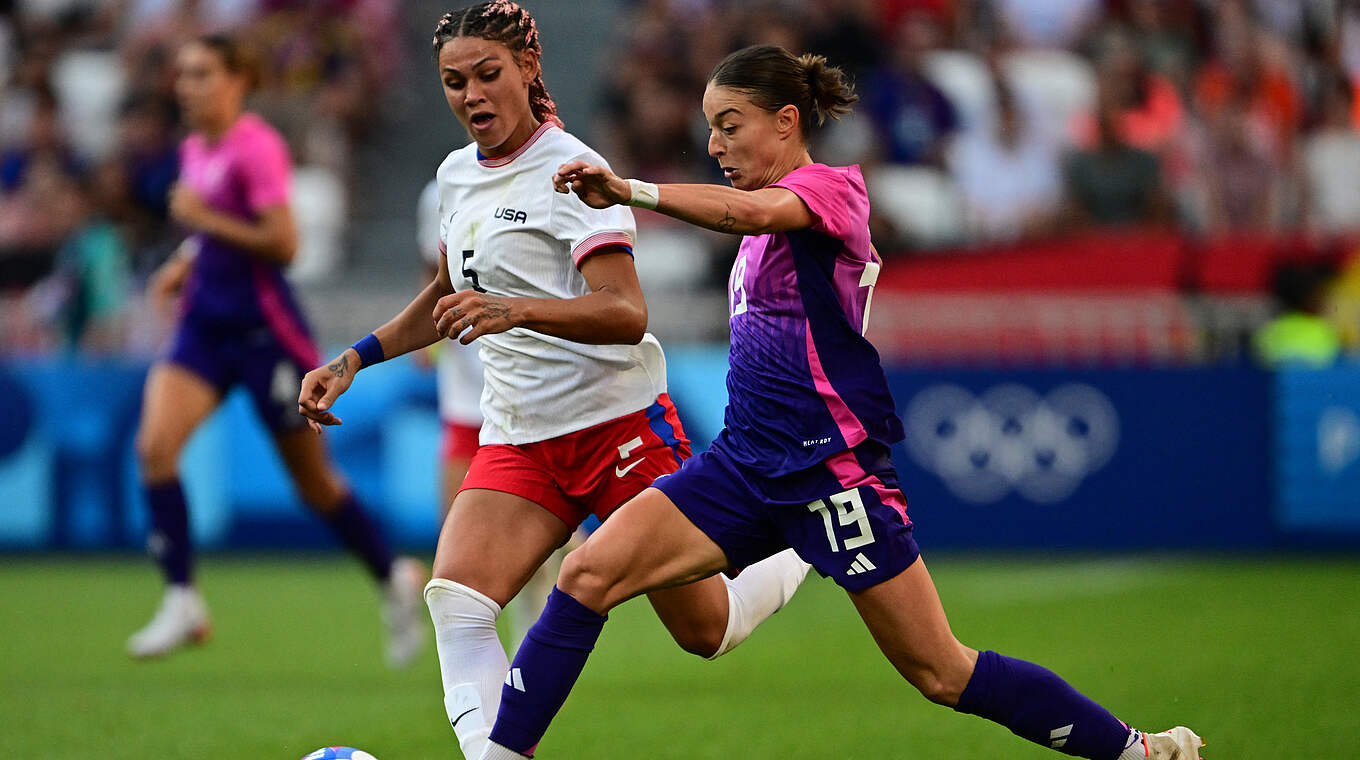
(240, 325)
(803, 461)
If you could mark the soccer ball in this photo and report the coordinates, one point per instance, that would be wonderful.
(339, 753)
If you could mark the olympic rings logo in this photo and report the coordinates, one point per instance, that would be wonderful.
(1012, 439)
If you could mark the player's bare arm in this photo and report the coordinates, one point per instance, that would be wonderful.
(714, 207)
(614, 312)
(168, 280)
(409, 330)
(273, 236)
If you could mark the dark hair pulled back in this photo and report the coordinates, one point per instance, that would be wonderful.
(505, 22)
(773, 78)
(236, 58)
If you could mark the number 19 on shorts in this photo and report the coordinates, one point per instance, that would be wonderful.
(848, 508)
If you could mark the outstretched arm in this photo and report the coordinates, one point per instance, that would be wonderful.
(407, 331)
(714, 207)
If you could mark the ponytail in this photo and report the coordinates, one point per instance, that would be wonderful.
(773, 78)
(828, 91)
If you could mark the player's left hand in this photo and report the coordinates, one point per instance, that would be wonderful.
(186, 206)
(484, 314)
(596, 186)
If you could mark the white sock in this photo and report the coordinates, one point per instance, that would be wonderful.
(472, 661)
(758, 592)
(495, 751)
(1134, 749)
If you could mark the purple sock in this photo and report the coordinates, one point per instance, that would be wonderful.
(1034, 703)
(361, 536)
(169, 541)
(545, 668)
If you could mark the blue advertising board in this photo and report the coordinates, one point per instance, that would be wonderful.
(1133, 458)
(1124, 459)
(1317, 451)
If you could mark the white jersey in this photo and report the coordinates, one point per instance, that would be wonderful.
(458, 370)
(506, 232)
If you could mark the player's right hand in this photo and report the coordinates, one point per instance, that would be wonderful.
(596, 186)
(323, 385)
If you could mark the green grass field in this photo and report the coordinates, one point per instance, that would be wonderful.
(1259, 657)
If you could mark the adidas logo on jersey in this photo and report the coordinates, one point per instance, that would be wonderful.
(511, 215)
(860, 565)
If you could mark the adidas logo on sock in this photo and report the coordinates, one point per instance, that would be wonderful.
(514, 679)
(1058, 736)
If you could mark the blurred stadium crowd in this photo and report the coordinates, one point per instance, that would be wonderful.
(984, 125)
(90, 137)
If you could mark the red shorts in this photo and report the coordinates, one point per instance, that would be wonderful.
(590, 471)
(460, 441)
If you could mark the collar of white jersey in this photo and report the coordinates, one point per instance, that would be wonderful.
(499, 161)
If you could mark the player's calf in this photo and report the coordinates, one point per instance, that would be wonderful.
(755, 594)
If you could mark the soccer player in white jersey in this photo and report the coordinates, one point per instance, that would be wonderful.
(803, 460)
(576, 416)
(458, 376)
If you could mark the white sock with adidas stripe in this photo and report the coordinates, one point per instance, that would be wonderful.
(758, 592)
(1134, 749)
(472, 661)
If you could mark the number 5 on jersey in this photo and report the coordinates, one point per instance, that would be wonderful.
(469, 273)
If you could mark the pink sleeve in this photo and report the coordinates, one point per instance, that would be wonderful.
(829, 195)
(266, 168)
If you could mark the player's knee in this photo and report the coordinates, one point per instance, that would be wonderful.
(588, 579)
(323, 494)
(937, 687)
(157, 455)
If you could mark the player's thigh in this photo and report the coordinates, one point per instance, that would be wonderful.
(175, 401)
(493, 541)
(646, 544)
(309, 465)
(451, 475)
(908, 623)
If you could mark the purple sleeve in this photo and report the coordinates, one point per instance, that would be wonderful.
(267, 169)
(831, 196)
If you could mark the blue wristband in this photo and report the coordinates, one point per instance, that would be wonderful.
(370, 351)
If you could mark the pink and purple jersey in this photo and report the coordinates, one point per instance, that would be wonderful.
(242, 174)
(804, 384)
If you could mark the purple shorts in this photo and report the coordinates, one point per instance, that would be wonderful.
(846, 516)
(249, 356)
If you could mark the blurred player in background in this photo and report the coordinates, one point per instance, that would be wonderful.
(240, 325)
(577, 419)
(459, 381)
(803, 461)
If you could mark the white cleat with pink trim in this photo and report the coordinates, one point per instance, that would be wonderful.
(1180, 743)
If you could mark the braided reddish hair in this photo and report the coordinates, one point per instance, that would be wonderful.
(505, 22)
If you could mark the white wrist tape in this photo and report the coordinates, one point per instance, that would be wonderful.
(645, 194)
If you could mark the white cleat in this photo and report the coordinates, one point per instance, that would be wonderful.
(1180, 743)
(403, 611)
(182, 619)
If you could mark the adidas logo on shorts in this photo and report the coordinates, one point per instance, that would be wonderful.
(860, 565)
